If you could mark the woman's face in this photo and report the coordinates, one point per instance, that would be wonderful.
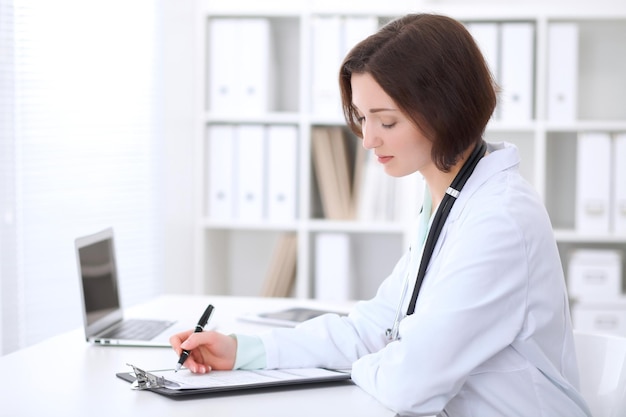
(399, 145)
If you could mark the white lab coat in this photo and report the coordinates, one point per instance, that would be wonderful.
(491, 333)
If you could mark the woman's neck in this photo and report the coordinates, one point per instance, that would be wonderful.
(439, 181)
(438, 184)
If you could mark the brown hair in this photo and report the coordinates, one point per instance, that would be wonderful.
(433, 70)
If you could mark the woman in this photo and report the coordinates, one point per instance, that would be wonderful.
(474, 318)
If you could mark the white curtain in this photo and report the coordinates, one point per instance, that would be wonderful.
(80, 150)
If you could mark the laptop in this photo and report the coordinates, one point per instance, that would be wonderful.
(102, 314)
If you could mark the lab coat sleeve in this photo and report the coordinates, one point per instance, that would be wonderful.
(471, 307)
(336, 342)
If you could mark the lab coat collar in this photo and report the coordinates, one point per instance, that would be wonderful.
(501, 156)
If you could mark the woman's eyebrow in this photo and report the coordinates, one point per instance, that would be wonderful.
(376, 109)
(379, 109)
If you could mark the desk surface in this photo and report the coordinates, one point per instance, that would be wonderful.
(65, 376)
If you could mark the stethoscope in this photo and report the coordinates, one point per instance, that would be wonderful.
(441, 215)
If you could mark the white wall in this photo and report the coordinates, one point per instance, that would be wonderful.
(179, 40)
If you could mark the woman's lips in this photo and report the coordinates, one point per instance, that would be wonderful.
(384, 159)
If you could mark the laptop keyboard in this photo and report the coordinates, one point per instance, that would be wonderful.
(131, 329)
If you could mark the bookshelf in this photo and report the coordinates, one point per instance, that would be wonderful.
(233, 255)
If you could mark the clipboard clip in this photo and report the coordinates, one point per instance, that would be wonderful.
(145, 380)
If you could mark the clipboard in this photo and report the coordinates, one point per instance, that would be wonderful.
(183, 383)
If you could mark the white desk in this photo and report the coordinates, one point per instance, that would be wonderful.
(65, 376)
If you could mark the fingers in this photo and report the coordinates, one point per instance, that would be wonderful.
(198, 345)
(197, 339)
(197, 368)
(177, 339)
(209, 350)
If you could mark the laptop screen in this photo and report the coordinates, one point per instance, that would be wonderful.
(99, 279)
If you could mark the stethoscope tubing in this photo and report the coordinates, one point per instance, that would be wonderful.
(436, 227)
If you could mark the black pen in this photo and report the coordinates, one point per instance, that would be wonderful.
(199, 328)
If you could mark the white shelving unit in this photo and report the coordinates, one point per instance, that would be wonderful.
(232, 256)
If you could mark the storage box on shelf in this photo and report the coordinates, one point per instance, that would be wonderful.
(600, 316)
(595, 280)
(545, 108)
(583, 175)
(595, 275)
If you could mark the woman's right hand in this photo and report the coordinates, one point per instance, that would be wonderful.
(209, 350)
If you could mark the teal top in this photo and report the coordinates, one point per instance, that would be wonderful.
(250, 352)
(425, 218)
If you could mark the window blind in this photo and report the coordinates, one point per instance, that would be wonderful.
(81, 151)
(7, 179)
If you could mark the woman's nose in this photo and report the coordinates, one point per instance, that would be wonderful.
(370, 139)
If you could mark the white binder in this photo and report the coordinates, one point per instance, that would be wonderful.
(619, 184)
(255, 66)
(487, 37)
(327, 53)
(223, 58)
(593, 182)
(250, 161)
(562, 71)
(516, 71)
(333, 269)
(220, 194)
(282, 155)
(240, 65)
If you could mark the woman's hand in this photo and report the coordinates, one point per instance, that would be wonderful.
(209, 350)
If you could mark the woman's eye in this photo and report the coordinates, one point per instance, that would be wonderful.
(389, 126)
